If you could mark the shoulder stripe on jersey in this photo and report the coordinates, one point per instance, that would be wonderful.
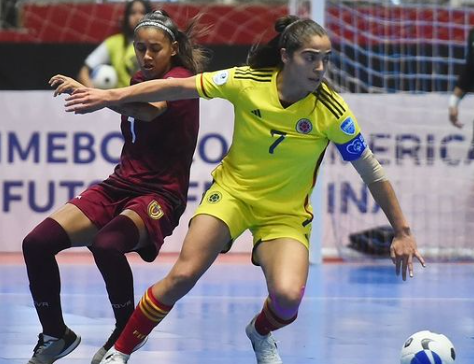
(332, 100)
(248, 69)
(330, 108)
(253, 78)
(337, 112)
(252, 72)
(332, 97)
(202, 86)
(253, 75)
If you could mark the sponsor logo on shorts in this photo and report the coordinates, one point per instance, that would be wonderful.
(214, 197)
(304, 126)
(154, 210)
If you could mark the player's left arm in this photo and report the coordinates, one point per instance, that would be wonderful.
(86, 100)
(403, 247)
(345, 133)
(139, 110)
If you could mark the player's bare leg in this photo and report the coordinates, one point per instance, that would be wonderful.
(285, 264)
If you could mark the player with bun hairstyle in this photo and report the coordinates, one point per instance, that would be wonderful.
(138, 205)
(285, 117)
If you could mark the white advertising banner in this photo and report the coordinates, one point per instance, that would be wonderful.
(48, 156)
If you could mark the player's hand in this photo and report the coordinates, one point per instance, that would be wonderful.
(402, 251)
(64, 84)
(453, 117)
(87, 100)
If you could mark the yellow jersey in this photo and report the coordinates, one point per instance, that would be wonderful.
(276, 152)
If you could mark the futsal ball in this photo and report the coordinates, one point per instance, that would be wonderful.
(426, 347)
(104, 77)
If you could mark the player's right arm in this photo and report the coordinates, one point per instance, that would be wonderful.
(87, 100)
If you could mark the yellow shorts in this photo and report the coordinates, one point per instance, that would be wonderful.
(239, 216)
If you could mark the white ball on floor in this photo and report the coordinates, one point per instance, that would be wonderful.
(104, 77)
(426, 347)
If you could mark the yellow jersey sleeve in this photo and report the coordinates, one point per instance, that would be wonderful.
(344, 131)
(218, 84)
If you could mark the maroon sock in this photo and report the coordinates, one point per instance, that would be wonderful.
(110, 244)
(39, 249)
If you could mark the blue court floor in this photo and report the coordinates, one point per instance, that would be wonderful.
(352, 313)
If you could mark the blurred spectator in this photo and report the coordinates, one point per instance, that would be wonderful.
(464, 84)
(117, 50)
(8, 14)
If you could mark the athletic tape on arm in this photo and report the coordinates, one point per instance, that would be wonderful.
(369, 168)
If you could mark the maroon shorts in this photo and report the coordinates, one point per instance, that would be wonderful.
(102, 202)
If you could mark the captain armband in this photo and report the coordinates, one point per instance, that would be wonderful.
(369, 168)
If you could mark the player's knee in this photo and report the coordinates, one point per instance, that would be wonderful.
(37, 244)
(104, 243)
(287, 297)
(119, 236)
(182, 280)
(32, 244)
(49, 237)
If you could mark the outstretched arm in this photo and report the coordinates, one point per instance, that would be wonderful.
(141, 110)
(88, 100)
(403, 247)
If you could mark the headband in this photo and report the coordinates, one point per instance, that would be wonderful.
(152, 23)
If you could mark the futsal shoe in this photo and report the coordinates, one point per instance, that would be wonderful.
(102, 351)
(113, 356)
(49, 349)
(265, 347)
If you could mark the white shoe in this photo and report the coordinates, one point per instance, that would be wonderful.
(113, 356)
(265, 347)
(97, 358)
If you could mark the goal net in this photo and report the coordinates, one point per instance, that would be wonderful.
(394, 46)
(396, 63)
(87, 21)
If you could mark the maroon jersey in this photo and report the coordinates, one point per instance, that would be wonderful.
(157, 155)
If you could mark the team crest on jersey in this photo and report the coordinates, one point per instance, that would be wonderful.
(348, 126)
(214, 197)
(220, 78)
(154, 210)
(304, 126)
